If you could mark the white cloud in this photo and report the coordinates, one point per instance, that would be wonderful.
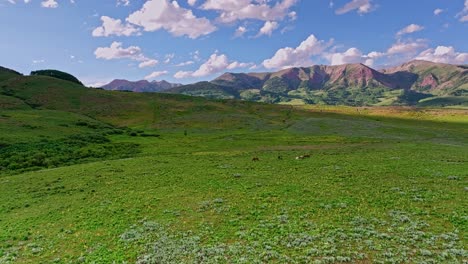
(14, 1)
(362, 7)
(185, 63)
(96, 84)
(233, 10)
(463, 15)
(240, 31)
(168, 58)
(112, 26)
(155, 75)
(162, 14)
(116, 51)
(399, 52)
(196, 55)
(438, 11)
(292, 15)
(352, 55)
(148, 63)
(300, 56)
(215, 64)
(183, 74)
(123, 2)
(410, 29)
(407, 47)
(191, 2)
(443, 54)
(236, 64)
(268, 28)
(49, 4)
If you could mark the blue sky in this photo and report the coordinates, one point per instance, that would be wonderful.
(192, 40)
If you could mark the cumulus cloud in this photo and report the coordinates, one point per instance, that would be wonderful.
(410, 29)
(14, 1)
(444, 54)
(268, 28)
(116, 51)
(185, 63)
(162, 14)
(240, 31)
(463, 15)
(362, 7)
(49, 4)
(123, 2)
(397, 53)
(299, 56)
(215, 64)
(233, 10)
(191, 2)
(38, 61)
(438, 11)
(183, 74)
(168, 58)
(409, 48)
(353, 55)
(148, 63)
(115, 27)
(155, 75)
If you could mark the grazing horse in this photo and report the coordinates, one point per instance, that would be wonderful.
(303, 157)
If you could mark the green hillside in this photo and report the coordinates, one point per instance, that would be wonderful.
(6, 74)
(57, 74)
(94, 176)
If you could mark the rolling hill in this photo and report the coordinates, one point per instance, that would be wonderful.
(57, 74)
(350, 84)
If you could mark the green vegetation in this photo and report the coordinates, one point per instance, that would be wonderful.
(104, 177)
(57, 74)
(6, 74)
(72, 150)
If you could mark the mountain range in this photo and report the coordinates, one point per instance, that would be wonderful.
(416, 83)
(350, 84)
(412, 83)
(142, 86)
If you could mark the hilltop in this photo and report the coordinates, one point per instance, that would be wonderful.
(57, 74)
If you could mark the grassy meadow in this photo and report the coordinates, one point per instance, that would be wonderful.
(89, 176)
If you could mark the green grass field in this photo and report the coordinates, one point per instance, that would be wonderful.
(172, 179)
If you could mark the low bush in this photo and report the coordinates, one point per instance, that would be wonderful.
(75, 149)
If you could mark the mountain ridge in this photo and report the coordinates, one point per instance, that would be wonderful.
(143, 86)
(351, 84)
(413, 83)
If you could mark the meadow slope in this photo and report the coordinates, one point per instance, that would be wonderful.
(161, 178)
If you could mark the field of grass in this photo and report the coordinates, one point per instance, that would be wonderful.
(175, 179)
